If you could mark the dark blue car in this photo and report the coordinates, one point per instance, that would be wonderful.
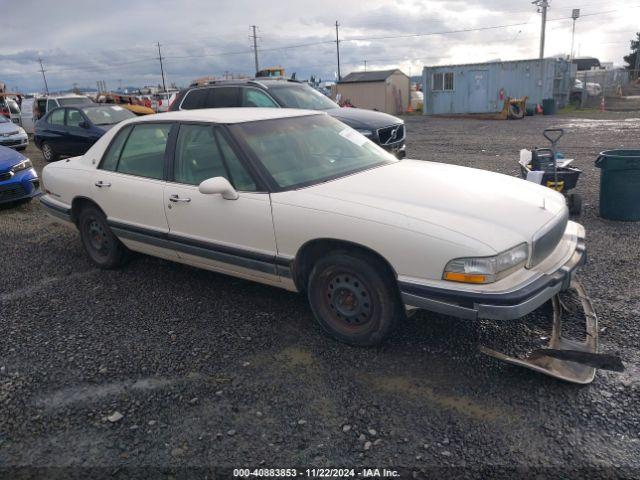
(71, 131)
(18, 179)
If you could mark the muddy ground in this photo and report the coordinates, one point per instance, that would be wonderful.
(207, 370)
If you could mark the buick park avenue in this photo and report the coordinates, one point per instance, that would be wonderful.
(298, 200)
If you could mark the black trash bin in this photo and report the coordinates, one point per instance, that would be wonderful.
(548, 106)
(620, 184)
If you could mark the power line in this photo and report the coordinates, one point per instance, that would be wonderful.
(46, 87)
(255, 47)
(164, 86)
(338, 49)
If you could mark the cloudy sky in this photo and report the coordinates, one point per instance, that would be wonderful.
(82, 41)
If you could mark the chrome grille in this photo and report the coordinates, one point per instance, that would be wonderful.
(547, 239)
(391, 134)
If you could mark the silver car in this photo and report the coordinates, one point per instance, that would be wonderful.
(12, 135)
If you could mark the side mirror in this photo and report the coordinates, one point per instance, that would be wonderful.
(83, 124)
(218, 185)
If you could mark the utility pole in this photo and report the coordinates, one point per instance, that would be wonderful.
(542, 7)
(575, 14)
(255, 48)
(164, 86)
(365, 65)
(46, 87)
(338, 50)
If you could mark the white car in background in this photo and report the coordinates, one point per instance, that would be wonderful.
(161, 101)
(12, 135)
(298, 200)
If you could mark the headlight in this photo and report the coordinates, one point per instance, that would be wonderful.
(22, 130)
(23, 165)
(486, 269)
(366, 133)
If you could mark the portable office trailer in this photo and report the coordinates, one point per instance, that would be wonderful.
(386, 91)
(483, 87)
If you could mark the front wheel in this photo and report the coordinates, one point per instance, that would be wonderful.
(48, 153)
(102, 246)
(354, 298)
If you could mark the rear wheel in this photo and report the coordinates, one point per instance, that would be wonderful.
(354, 299)
(48, 153)
(102, 246)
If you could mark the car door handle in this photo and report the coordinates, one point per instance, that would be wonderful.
(176, 198)
(101, 184)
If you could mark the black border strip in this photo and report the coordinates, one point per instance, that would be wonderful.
(261, 262)
(55, 210)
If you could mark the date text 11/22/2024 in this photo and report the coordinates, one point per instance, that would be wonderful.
(315, 472)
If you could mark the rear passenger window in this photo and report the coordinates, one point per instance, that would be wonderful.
(110, 159)
(256, 98)
(201, 153)
(56, 117)
(195, 99)
(224, 97)
(143, 152)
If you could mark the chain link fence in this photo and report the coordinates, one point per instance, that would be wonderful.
(609, 89)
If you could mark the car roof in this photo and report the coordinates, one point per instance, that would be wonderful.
(260, 81)
(228, 115)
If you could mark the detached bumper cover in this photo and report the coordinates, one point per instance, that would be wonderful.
(495, 306)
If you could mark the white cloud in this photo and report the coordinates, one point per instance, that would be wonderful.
(85, 41)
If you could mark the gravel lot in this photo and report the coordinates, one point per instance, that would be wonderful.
(204, 369)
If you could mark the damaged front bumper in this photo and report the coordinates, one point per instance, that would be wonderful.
(572, 358)
(568, 359)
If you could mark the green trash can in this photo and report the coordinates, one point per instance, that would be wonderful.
(620, 184)
(548, 106)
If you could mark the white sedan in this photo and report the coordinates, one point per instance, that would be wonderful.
(298, 200)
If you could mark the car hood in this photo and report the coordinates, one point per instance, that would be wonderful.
(8, 158)
(496, 210)
(360, 118)
(9, 127)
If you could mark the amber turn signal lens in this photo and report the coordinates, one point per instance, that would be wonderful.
(465, 277)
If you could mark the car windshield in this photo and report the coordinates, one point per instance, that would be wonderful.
(74, 101)
(295, 95)
(107, 115)
(301, 151)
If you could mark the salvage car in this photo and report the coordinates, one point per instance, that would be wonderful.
(72, 131)
(19, 181)
(386, 130)
(12, 135)
(298, 200)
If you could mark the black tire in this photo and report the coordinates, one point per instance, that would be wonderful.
(354, 298)
(21, 149)
(102, 246)
(48, 154)
(574, 202)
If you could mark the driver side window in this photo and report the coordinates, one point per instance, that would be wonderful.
(202, 153)
(74, 117)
